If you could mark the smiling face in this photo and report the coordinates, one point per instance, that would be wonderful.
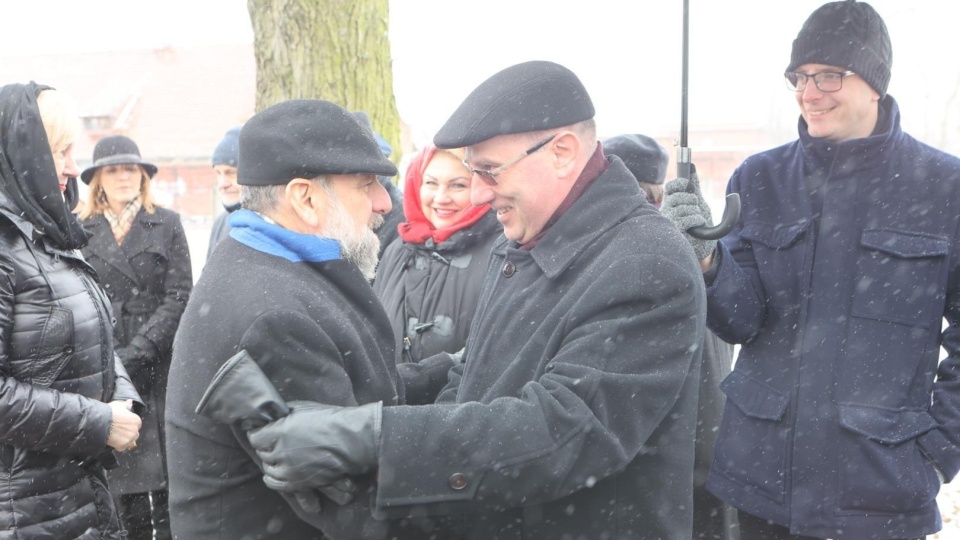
(526, 194)
(445, 190)
(227, 184)
(849, 113)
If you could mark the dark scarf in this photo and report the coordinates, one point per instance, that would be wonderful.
(28, 175)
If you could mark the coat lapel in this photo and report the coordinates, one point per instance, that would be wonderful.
(105, 246)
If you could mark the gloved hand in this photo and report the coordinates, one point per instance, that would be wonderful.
(317, 445)
(689, 209)
(140, 358)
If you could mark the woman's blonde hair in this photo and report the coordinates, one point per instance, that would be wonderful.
(60, 120)
(97, 198)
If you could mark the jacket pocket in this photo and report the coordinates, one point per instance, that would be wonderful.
(53, 350)
(900, 277)
(751, 448)
(882, 468)
(779, 254)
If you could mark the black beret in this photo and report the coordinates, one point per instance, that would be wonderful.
(116, 150)
(642, 155)
(531, 96)
(305, 138)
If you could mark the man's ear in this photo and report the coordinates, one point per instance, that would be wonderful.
(564, 151)
(307, 201)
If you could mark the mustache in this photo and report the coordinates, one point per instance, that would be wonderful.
(376, 221)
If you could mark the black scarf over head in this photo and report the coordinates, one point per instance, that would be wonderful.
(28, 175)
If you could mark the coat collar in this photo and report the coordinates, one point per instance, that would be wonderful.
(105, 245)
(858, 154)
(612, 198)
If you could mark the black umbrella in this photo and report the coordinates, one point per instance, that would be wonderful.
(685, 167)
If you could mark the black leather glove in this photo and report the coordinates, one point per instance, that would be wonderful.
(141, 359)
(687, 209)
(241, 395)
(317, 445)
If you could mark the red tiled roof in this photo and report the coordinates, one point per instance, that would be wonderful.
(176, 103)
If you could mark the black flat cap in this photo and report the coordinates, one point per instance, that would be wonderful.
(304, 138)
(531, 96)
(642, 155)
(116, 150)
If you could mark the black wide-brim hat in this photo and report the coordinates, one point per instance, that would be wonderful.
(116, 150)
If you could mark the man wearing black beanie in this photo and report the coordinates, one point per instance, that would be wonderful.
(841, 421)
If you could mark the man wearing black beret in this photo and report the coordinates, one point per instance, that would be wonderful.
(290, 286)
(574, 409)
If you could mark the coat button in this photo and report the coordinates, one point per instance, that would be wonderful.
(68, 349)
(458, 481)
(509, 269)
(135, 291)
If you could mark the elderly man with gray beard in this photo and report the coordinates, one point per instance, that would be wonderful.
(290, 285)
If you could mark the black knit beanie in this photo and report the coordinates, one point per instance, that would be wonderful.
(846, 34)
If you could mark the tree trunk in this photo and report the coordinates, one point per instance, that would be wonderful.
(336, 50)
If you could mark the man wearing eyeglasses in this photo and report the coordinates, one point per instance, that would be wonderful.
(836, 282)
(573, 412)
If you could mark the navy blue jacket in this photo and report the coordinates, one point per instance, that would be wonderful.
(836, 281)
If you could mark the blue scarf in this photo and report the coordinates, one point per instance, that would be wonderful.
(253, 231)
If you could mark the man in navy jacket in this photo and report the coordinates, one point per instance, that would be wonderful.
(836, 281)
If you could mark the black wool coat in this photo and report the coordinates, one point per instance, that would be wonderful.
(575, 411)
(148, 280)
(319, 333)
(430, 291)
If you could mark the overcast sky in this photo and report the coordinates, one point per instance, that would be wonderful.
(627, 52)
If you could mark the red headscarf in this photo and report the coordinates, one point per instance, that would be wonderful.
(418, 228)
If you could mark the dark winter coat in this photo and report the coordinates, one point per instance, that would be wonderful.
(387, 232)
(57, 373)
(148, 280)
(430, 291)
(319, 334)
(836, 281)
(219, 230)
(576, 410)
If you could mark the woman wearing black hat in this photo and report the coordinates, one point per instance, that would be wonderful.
(64, 397)
(140, 252)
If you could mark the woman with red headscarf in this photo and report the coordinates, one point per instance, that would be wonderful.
(429, 278)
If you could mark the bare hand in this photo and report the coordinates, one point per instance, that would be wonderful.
(124, 426)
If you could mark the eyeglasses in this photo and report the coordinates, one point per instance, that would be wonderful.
(490, 176)
(826, 81)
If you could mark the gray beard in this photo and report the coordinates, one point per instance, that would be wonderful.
(358, 243)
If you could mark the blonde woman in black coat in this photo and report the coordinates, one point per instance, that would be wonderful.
(64, 396)
(140, 252)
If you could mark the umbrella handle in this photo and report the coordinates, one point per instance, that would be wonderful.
(731, 214)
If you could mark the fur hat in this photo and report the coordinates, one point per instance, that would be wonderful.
(227, 151)
(642, 155)
(305, 138)
(115, 150)
(531, 96)
(846, 34)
